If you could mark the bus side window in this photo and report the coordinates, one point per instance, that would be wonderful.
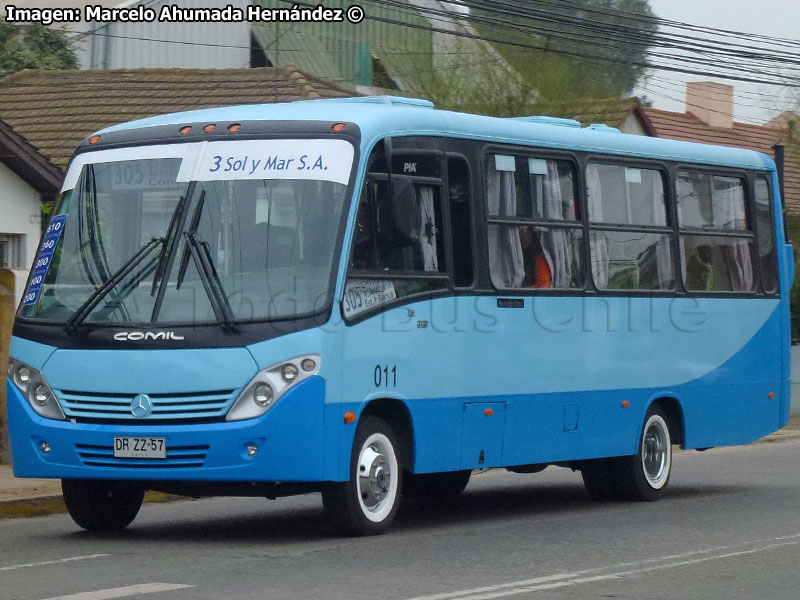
(534, 233)
(766, 236)
(459, 193)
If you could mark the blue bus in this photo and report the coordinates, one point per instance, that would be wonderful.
(371, 298)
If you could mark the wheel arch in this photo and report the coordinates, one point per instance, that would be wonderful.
(396, 413)
(675, 418)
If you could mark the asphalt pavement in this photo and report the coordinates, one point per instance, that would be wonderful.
(727, 530)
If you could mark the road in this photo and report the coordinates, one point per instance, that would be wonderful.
(729, 529)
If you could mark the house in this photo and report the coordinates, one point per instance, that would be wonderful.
(709, 120)
(46, 114)
(27, 178)
(619, 113)
(401, 48)
(141, 45)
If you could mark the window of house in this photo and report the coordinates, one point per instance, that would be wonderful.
(534, 233)
(630, 242)
(11, 254)
(716, 242)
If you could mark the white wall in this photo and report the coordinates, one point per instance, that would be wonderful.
(20, 207)
(795, 376)
(200, 45)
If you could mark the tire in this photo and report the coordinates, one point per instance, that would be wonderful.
(367, 503)
(598, 479)
(645, 475)
(102, 505)
(435, 487)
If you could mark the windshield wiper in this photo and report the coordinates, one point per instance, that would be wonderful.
(169, 251)
(178, 215)
(193, 226)
(201, 255)
(175, 224)
(109, 284)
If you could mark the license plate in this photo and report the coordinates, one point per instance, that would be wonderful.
(140, 447)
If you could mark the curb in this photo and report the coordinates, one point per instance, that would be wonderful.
(48, 505)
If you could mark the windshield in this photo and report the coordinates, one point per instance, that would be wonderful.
(230, 231)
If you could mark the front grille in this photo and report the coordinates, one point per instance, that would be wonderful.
(116, 408)
(178, 457)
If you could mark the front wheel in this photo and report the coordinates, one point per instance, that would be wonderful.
(367, 503)
(645, 475)
(102, 505)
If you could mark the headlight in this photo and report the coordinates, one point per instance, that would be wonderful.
(33, 386)
(266, 388)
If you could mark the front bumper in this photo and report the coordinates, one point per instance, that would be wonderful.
(289, 438)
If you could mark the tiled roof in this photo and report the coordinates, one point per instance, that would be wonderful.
(610, 111)
(55, 110)
(689, 128)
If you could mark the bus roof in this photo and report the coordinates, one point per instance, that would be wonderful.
(380, 116)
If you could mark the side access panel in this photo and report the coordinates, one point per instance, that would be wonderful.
(482, 435)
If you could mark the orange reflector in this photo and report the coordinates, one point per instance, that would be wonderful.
(488, 412)
(185, 130)
(625, 404)
(94, 139)
(209, 128)
(349, 417)
(771, 395)
(338, 127)
(234, 128)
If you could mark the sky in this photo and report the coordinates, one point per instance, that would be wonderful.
(752, 102)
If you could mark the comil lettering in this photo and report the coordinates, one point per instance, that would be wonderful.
(138, 336)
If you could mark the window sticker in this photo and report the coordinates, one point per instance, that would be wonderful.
(361, 295)
(325, 160)
(633, 175)
(43, 259)
(537, 166)
(504, 162)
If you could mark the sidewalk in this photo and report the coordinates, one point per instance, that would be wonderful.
(34, 497)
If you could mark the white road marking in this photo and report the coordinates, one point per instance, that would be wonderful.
(123, 592)
(618, 571)
(53, 562)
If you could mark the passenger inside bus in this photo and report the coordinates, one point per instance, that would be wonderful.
(537, 269)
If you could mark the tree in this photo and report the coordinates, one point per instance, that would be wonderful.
(589, 48)
(34, 46)
(557, 52)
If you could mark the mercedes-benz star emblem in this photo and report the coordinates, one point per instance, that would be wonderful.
(141, 406)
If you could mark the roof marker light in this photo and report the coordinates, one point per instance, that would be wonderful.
(234, 127)
(209, 128)
(338, 128)
(185, 130)
(94, 139)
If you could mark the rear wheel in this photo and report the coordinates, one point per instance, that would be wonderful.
(645, 475)
(435, 487)
(367, 503)
(102, 505)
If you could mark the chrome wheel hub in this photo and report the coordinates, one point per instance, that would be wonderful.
(655, 453)
(374, 477)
